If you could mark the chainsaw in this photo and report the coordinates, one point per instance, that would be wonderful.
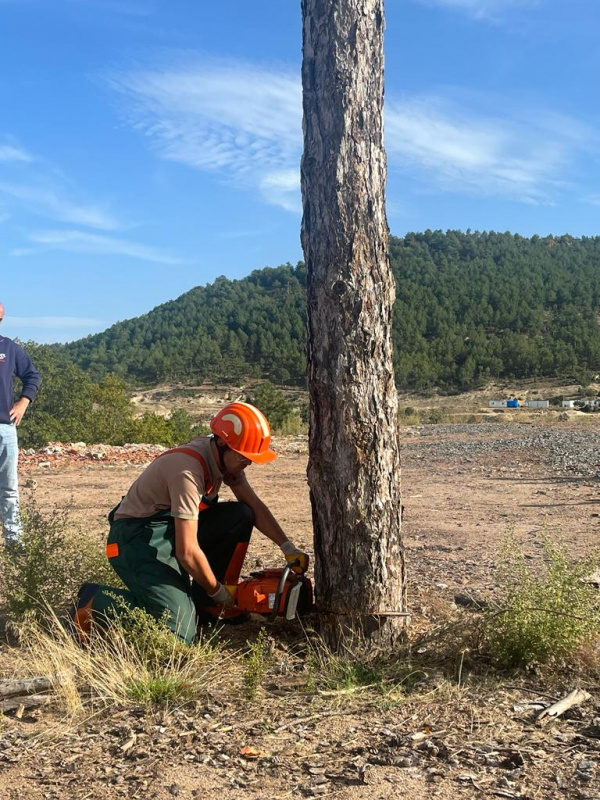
(272, 593)
(275, 593)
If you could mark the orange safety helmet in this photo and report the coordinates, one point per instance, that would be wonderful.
(244, 429)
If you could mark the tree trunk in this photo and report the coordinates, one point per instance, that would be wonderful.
(354, 465)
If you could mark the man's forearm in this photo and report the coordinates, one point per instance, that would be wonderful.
(191, 556)
(196, 564)
(268, 525)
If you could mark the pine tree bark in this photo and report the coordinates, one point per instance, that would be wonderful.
(354, 464)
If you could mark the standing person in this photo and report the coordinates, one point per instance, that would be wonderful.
(13, 361)
(177, 549)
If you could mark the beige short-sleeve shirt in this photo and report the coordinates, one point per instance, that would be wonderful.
(173, 481)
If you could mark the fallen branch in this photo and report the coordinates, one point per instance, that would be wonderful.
(31, 701)
(574, 698)
(531, 691)
(26, 686)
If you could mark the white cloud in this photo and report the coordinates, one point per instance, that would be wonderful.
(244, 123)
(94, 244)
(30, 184)
(9, 152)
(237, 119)
(49, 202)
(281, 188)
(525, 159)
(483, 9)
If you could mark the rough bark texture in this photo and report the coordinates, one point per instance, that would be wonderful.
(354, 466)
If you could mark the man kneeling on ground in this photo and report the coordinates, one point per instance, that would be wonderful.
(176, 548)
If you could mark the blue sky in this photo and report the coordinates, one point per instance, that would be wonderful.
(149, 146)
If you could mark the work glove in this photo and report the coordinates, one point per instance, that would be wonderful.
(224, 596)
(291, 553)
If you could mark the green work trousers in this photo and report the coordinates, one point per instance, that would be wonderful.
(146, 562)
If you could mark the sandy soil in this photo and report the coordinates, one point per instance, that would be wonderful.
(458, 512)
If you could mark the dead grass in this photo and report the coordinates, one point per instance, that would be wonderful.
(117, 668)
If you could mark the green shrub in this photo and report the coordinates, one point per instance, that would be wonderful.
(274, 405)
(52, 560)
(409, 416)
(435, 416)
(70, 407)
(292, 426)
(304, 411)
(150, 639)
(543, 616)
(256, 663)
(178, 391)
(158, 690)
(178, 428)
(64, 403)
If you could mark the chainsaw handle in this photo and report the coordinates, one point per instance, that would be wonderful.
(284, 576)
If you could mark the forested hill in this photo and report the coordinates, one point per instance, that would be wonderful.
(470, 307)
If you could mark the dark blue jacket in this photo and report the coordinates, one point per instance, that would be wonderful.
(15, 361)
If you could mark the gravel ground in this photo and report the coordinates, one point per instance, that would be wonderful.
(465, 487)
(567, 451)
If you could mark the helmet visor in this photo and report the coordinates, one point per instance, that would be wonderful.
(259, 458)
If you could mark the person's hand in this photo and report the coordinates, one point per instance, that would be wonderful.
(18, 410)
(293, 554)
(224, 596)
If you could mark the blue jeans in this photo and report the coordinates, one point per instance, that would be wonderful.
(9, 483)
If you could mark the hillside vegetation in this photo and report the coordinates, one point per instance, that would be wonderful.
(72, 407)
(471, 307)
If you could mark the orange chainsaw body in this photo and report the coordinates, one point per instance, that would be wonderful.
(258, 594)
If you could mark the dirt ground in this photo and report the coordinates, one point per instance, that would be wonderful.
(468, 742)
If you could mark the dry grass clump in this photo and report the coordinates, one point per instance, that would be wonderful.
(137, 661)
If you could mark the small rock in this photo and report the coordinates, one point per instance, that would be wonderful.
(585, 770)
(561, 781)
(491, 761)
